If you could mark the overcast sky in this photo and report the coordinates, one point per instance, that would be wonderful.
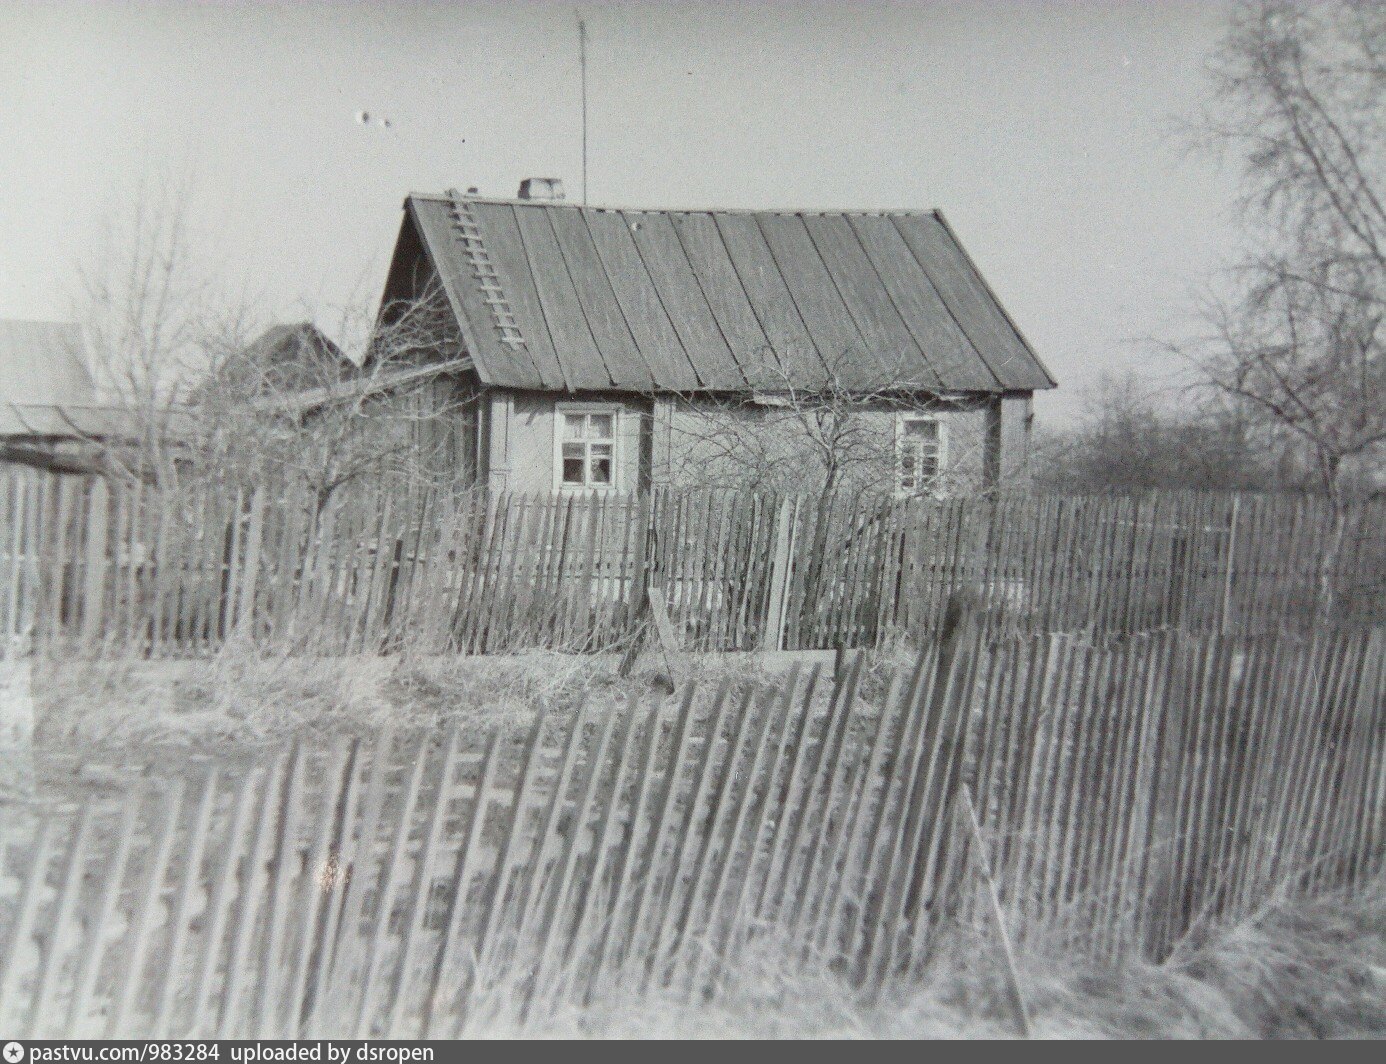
(1044, 131)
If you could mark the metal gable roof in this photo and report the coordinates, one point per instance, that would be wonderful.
(555, 296)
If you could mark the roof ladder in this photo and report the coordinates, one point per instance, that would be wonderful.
(468, 233)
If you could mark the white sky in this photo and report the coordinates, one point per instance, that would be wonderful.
(1042, 130)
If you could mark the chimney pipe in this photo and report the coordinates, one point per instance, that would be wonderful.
(541, 188)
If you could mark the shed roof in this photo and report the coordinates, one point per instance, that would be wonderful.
(555, 296)
(42, 373)
(298, 356)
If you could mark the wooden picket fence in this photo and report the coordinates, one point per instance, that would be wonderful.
(1108, 797)
(90, 567)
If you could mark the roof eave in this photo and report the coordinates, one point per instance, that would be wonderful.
(464, 324)
(986, 285)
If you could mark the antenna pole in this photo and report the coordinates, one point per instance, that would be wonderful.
(582, 64)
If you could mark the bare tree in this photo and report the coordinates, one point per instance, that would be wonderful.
(294, 408)
(829, 431)
(149, 321)
(1297, 337)
(1130, 437)
(195, 400)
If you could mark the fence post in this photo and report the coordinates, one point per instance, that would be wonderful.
(94, 584)
(772, 631)
(1225, 618)
(249, 573)
(643, 583)
(16, 716)
(1016, 998)
(391, 589)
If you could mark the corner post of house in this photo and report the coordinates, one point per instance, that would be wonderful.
(500, 413)
(661, 437)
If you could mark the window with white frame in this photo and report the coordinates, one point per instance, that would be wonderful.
(586, 455)
(919, 453)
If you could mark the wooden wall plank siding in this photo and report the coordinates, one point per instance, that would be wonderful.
(100, 569)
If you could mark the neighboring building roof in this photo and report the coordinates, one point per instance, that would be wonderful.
(367, 384)
(299, 356)
(554, 296)
(46, 389)
(42, 374)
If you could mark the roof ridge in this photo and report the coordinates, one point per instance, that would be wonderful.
(444, 197)
(599, 267)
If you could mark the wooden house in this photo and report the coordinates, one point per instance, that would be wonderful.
(590, 343)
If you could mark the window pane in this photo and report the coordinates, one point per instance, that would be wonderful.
(603, 449)
(918, 427)
(572, 426)
(572, 470)
(601, 468)
(599, 426)
(573, 450)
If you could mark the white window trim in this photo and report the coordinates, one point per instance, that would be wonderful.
(901, 420)
(614, 409)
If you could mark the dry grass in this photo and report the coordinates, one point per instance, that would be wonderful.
(1296, 970)
(237, 700)
(1307, 970)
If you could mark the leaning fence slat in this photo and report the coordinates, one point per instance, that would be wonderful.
(385, 897)
(424, 872)
(22, 931)
(52, 963)
(161, 851)
(266, 1006)
(319, 883)
(219, 903)
(181, 917)
(94, 941)
(252, 887)
(1124, 795)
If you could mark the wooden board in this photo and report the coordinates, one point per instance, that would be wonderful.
(613, 333)
(949, 350)
(793, 346)
(659, 343)
(573, 343)
(688, 309)
(505, 248)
